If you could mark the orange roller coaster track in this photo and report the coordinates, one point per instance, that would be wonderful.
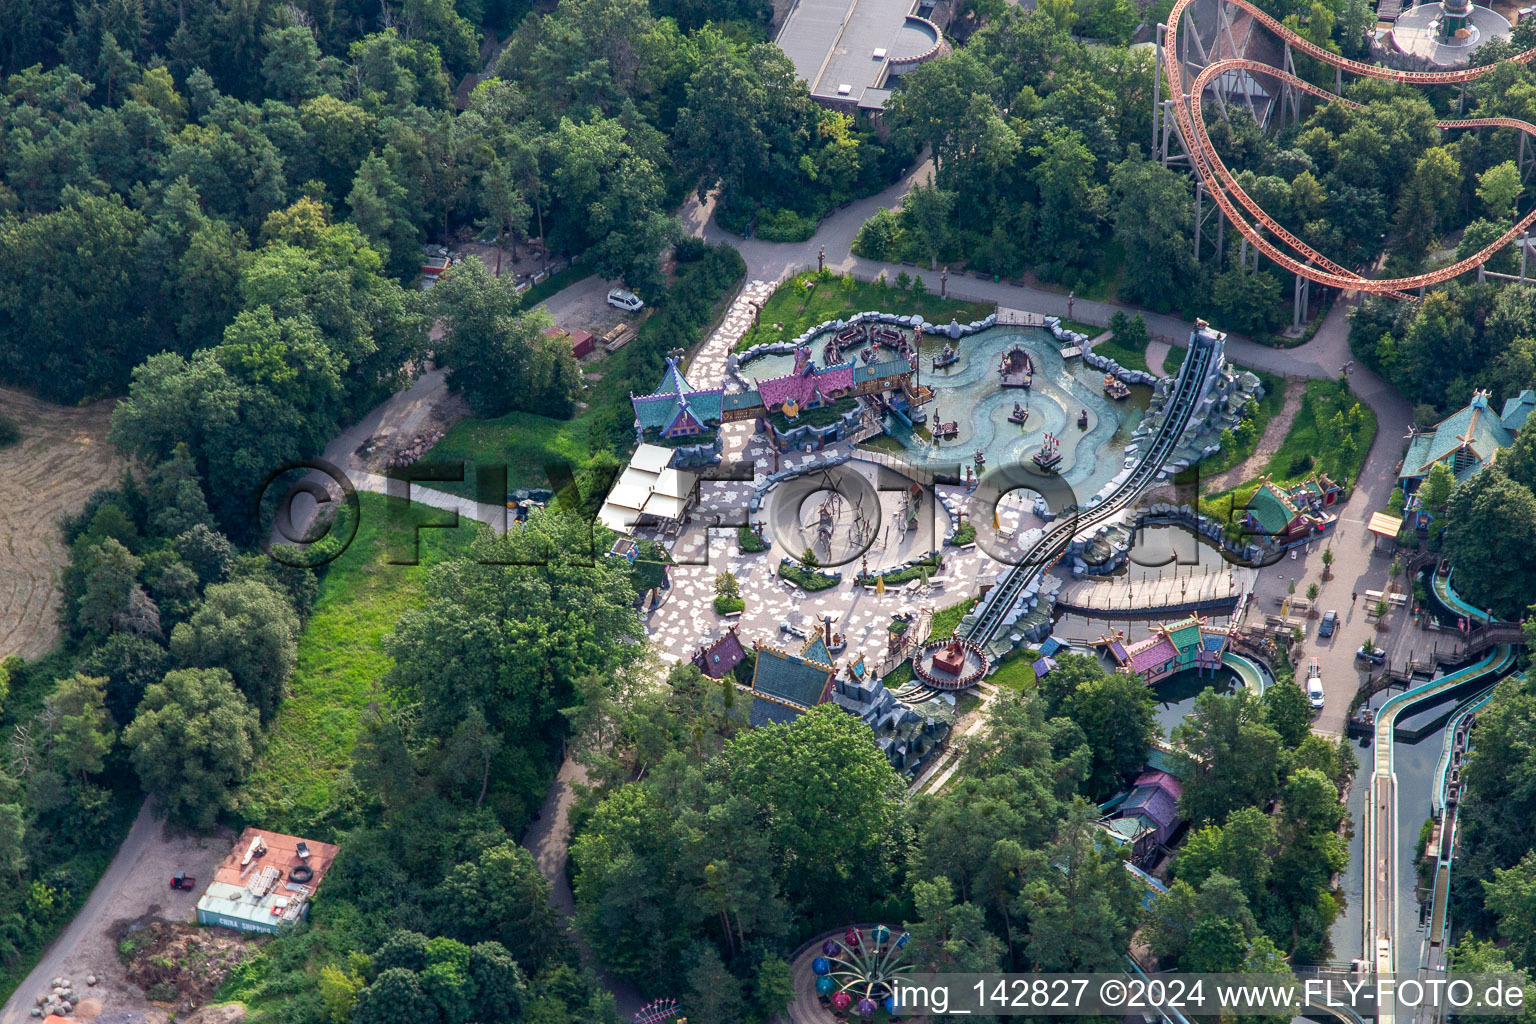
(1229, 195)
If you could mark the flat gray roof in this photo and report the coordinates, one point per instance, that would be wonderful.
(843, 47)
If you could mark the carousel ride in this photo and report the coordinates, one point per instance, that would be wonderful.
(949, 664)
(857, 973)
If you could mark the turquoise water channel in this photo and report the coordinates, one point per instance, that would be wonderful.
(969, 394)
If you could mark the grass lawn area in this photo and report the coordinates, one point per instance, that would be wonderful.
(947, 620)
(808, 299)
(340, 666)
(1016, 671)
(524, 442)
(899, 676)
(1314, 444)
(1129, 358)
(1092, 330)
(1263, 411)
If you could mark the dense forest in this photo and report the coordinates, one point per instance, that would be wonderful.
(214, 213)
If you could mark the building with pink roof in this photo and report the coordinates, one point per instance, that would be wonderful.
(807, 386)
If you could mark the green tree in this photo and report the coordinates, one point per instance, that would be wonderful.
(110, 574)
(774, 987)
(1511, 898)
(251, 631)
(1242, 848)
(506, 636)
(1491, 537)
(1480, 234)
(13, 839)
(291, 67)
(44, 299)
(925, 213)
(1287, 711)
(1071, 204)
(1498, 187)
(501, 896)
(1116, 714)
(1232, 755)
(826, 789)
(714, 993)
(608, 201)
(950, 936)
(1247, 300)
(82, 731)
(396, 996)
(1436, 489)
(497, 356)
(1153, 218)
(193, 740)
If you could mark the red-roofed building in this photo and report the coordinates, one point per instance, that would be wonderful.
(582, 341)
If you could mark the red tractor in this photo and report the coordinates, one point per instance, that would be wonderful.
(182, 880)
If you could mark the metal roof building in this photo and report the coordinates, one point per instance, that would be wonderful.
(848, 51)
(266, 882)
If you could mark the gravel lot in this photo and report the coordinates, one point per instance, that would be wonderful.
(134, 890)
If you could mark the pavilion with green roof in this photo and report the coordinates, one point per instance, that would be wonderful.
(784, 686)
(1466, 441)
(1291, 516)
(676, 409)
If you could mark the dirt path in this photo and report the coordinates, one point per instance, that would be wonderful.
(549, 840)
(1274, 436)
(63, 456)
(134, 888)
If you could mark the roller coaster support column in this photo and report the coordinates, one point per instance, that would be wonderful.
(1523, 156)
(1202, 215)
(1525, 247)
(1299, 302)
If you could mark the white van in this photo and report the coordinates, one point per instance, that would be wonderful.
(624, 300)
(1315, 686)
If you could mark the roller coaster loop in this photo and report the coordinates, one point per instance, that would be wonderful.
(1224, 187)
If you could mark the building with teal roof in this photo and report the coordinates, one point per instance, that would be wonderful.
(1170, 648)
(1291, 516)
(1467, 440)
(676, 409)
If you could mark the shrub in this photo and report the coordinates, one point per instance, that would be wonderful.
(784, 226)
(807, 579)
(965, 534)
(10, 433)
(729, 605)
(879, 237)
(748, 541)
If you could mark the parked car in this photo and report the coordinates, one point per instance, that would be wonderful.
(1374, 655)
(625, 300)
(1315, 686)
(1329, 623)
(182, 880)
